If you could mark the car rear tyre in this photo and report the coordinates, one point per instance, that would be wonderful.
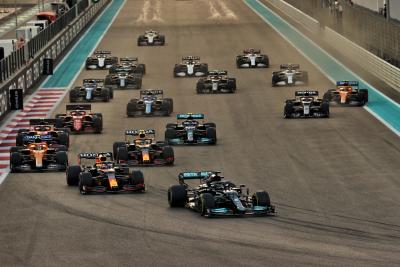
(206, 202)
(261, 198)
(168, 155)
(136, 177)
(177, 196)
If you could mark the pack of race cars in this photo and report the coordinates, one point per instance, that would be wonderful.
(43, 146)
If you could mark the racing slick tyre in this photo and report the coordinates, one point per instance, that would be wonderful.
(141, 68)
(122, 154)
(59, 123)
(111, 90)
(168, 106)
(136, 177)
(200, 87)
(23, 130)
(206, 202)
(97, 124)
(19, 140)
(63, 139)
(177, 196)
(275, 80)
(288, 110)
(325, 108)
(171, 125)
(261, 198)
(211, 133)
(305, 77)
(232, 85)
(137, 83)
(363, 96)
(116, 145)
(61, 148)
(62, 160)
(238, 62)
(327, 96)
(168, 155)
(140, 40)
(170, 134)
(14, 149)
(74, 94)
(162, 39)
(15, 161)
(72, 175)
(131, 108)
(85, 179)
(105, 95)
(210, 124)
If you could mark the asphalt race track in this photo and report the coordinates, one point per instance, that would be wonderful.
(335, 181)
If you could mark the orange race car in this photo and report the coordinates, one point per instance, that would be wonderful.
(347, 93)
(38, 156)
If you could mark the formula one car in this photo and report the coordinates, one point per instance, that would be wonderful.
(190, 67)
(100, 60)
(189, 130)
(91, 90)
(252, 58)
(217, 81)
(289, 75)
(79, 118)
(347, 93)
(143, 149)
(45, 130)
(123, 80)
(151, 38)
(38, 156)
(128, 65)
(215, 197)
(306, 105)
(150, 103)
(104, 176)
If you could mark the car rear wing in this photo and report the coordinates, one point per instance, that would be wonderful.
(42, 121)
(306, 93)
(128, 59)
(94, 155)
(47, 137)
(85, 81)
(191, 58)
(102, 52)
(289, 65)
(218, 72)
(347, 83)
(79, 107)
(251, 51)
(151, 92)
(190, 116)
(137, 132)
(195, 175)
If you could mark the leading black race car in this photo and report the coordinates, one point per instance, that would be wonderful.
(104, 176)
(306, 105)
(151, 38)
(216, 197)
(190, 67)
(217, 81)
(100, 60)
(191, 129)
(252, 58)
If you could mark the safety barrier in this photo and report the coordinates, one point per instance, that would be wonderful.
(365, 59)
(30, 74)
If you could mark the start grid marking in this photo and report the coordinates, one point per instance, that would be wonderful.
(39, 106)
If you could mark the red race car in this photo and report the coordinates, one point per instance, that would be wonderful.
(79, 118)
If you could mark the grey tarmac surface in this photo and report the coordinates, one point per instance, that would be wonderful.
(335, 181)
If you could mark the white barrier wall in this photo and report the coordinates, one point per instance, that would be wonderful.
(371, 4)
(395, 9)
(373, 64)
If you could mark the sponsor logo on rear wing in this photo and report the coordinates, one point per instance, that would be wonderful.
(289, 65)
(347, 83)
(42, 121)
(188, 116)
(46, 137)
(79, 107)
(128, 59)
(191, 58)
(137, 132)
(217, 72)
(86, 81)
(251, 51)
(102, 52)
(151, 92)
(94, 155)
(306, 93)
(196, 175)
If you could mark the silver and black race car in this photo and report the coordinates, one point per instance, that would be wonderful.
(104, 176)
(347, 93)
(190, 67)
(150, 103)
(143, 149)
(217, 197)
(289, 74)
(252, 58)
(100, 60)
(129, 65)
(191, 129)
(91, 90)
(151, 38)
(306, 105)
(217, 81)
(123, 80)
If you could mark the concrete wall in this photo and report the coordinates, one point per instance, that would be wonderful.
(395, 9)
(371, 4)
